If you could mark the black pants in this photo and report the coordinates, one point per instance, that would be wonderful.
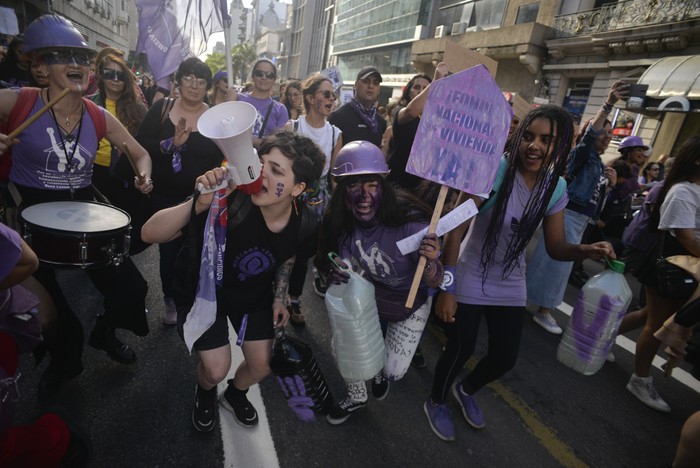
(297, 277)
(505, 326)
(124, 290)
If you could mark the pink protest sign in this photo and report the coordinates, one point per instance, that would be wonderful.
(462, 132)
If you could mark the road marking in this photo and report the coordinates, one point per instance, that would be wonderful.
(628, 345)
(246, 447)
(547, 436)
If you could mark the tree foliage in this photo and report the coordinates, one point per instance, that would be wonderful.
(242, 57)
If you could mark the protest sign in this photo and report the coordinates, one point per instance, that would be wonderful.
(460, 139)
(462, 132)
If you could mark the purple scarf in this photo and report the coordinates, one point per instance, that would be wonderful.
(367, 116)
(203, 312)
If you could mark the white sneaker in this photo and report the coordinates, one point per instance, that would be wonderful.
(546, 321)
(643, 389)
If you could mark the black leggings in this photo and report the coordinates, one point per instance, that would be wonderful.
(505, 326)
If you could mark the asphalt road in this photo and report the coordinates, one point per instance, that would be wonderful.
(541, 414)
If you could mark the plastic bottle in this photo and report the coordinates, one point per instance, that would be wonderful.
(358, 343)
(595, 320)
(299, 377)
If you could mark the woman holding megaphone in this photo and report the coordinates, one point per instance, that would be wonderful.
(180, 154)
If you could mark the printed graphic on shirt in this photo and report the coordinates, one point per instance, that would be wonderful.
(64, 158)
(379, 264)
(252, 262)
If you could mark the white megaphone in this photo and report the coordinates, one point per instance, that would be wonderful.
(229, 126)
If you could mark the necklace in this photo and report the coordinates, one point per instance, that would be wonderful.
(69, 140)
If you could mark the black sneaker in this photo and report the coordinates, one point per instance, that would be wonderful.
(380, 387)
(341, 412)
(320, 286)
(418, 360)
(103, 337)
(204, 411)
(236, 402)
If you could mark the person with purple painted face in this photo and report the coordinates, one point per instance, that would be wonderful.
(365, 217)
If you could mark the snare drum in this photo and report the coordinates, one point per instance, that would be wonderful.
(77, 234)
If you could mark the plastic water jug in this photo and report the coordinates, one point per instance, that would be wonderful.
(595, 320)
(299, 377)
(357, 335)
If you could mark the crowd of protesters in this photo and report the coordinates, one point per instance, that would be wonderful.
(128, 143)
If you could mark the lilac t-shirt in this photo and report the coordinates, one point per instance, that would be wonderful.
(42, 159)
(278, 114)
(510, 291)
(374, 251)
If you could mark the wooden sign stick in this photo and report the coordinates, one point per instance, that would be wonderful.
(38, 114)
(421, 262)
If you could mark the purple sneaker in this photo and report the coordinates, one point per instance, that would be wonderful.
(440, 420)
(471, 411)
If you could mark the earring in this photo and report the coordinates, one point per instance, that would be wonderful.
(294, 202)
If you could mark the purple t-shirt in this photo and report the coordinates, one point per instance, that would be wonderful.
(510, 291)
(43, 158)
(278, 114)
(374, 251)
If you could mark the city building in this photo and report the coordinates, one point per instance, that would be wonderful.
(309, 37)
(654, 43)
(102, 22)
(368, 32)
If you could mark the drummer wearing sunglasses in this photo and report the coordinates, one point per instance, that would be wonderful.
(53, 160)
(272, 115)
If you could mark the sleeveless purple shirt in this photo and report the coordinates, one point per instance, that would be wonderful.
(45, 158)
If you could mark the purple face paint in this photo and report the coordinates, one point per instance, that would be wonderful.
(279, 189)
(363, 197)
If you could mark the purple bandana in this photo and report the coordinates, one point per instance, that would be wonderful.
(368, 116)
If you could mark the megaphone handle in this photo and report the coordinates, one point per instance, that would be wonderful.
(202, 190)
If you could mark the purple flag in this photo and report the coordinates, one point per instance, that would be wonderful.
(173, 30)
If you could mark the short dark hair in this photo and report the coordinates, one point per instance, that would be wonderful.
(307, 158)
(194, 66)
(622, 168)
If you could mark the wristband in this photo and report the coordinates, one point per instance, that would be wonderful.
(607, 107)
(448, 279)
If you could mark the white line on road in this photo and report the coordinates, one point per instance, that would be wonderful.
(249, 448)
(628, 345)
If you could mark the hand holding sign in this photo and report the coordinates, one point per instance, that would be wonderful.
(460, 139)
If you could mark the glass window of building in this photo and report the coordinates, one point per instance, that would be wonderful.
(527, 13)
(482, 14)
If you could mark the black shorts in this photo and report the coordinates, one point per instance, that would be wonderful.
(258, 327)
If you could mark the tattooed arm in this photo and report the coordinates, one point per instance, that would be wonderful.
(280, 315)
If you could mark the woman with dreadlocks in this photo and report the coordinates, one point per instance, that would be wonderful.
(490, 273)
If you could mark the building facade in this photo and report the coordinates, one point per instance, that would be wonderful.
(367, 32)
(650, 42)
(309, 37)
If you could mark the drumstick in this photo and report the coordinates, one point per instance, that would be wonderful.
(38, 114)
(141, 178)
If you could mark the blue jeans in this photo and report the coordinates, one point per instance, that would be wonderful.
(547, 278)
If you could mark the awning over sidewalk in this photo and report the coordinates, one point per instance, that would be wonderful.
(673, 77)
(674, 84)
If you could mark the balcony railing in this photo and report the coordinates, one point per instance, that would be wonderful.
(625, 15)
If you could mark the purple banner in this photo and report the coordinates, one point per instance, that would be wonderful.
(462, 132)
(173, 30)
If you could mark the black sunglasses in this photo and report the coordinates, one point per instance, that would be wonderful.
(63, 57)
(268, 75)
(113, 75)
(327, 94)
